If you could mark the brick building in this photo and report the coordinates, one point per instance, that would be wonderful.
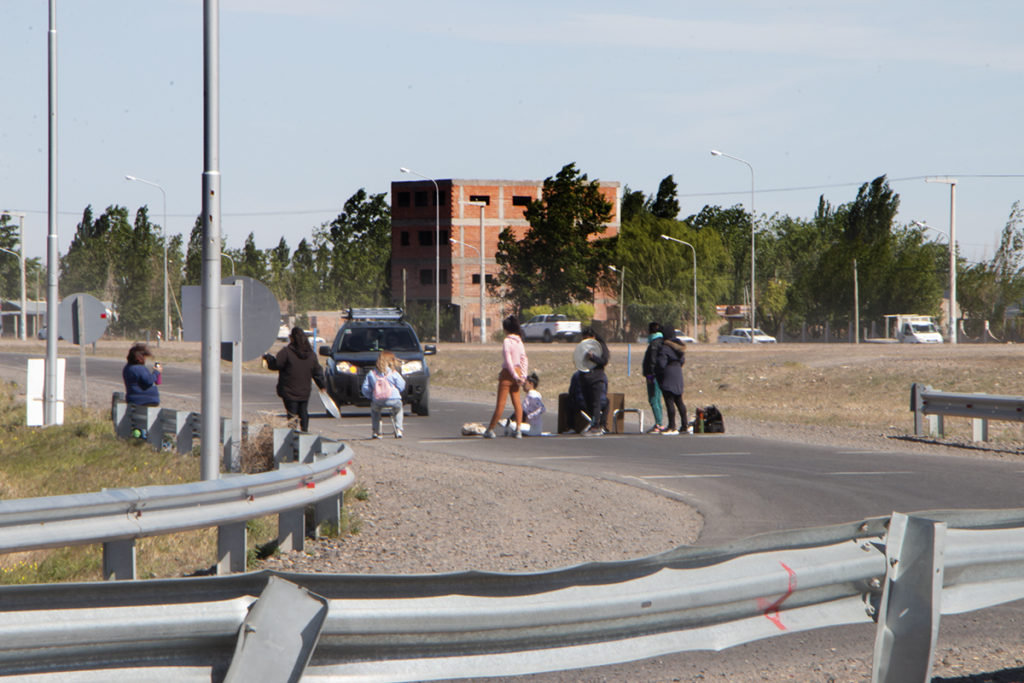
(416, 217)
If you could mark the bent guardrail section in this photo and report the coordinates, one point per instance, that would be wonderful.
(405, 628)
(117, 517)
(925, 402)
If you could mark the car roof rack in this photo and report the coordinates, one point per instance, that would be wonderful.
(374, 314)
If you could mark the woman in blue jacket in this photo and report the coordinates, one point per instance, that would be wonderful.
(140, 383)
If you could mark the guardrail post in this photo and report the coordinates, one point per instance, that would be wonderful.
(327, 511)
(308, 447)
(225, 443)
(231, 548)
(121, 416)
(154, 427)
(284, 445)
(936, 425)
(119, 560)
(917, 405)
(291, 530)
(182, 422)
(278, 635)
(979, 429)
(908, 620)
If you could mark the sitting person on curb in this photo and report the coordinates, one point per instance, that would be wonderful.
(140, 383)
(383, 386)
(533, 409)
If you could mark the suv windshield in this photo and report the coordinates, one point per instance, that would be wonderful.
(357, 339)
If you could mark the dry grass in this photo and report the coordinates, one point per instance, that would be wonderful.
(864, 386)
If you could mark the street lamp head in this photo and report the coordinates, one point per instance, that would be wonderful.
(613, 268)
(715, 153)
(403, 169)
(130, 177)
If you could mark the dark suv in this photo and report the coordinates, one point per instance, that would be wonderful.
(365, 333)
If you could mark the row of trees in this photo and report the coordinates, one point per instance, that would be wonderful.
(805, 266)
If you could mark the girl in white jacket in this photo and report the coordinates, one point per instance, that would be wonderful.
(533, 409)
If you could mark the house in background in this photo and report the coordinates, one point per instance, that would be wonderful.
(416, 219)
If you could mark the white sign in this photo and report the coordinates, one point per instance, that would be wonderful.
(34, 392)
(192, 313)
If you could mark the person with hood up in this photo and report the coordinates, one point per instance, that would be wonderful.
(669, 372)
(296, 365)
(654, 341)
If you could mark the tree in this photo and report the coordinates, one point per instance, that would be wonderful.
(559, 258)
(666, 205)
(10, 264)
(252, 261)
(356, 248)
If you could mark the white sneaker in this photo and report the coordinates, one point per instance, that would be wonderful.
(689, 430)
(488, 433)
(670, 432)
(377, 436)
(519, 433)
(398, 433)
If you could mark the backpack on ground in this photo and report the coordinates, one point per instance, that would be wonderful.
(381, 389)
(713, 422)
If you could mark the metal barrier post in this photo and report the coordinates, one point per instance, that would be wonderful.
(917, 405)
(908, 620)
(119, 560)
(979, 429)
(182, 422)
(154, 427)
(231, 548)
(308, 446)
(936, 425)
(327, 511)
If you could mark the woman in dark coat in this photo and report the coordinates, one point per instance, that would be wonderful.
(669, 371)
(595, 385)
(296, 365)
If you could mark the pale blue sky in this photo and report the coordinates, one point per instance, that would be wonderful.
(322, 97)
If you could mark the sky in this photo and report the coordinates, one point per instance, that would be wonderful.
(319, 98)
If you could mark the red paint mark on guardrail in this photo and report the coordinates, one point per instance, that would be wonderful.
(771, 612)
(310, 484)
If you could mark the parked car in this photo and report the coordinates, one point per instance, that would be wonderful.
(742, 335)
(314, 340)
(364, 334)
(549, 327)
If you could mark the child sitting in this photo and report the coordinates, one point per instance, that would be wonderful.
(533, 409)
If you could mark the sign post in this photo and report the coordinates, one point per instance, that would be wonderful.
(86, 318)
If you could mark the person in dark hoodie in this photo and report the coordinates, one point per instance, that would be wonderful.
(669, 371)
(654, 342)
(595, 386)
(296, 365)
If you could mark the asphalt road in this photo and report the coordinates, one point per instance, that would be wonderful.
(741, 485)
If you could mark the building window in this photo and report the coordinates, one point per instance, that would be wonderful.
(484, 198)
(520, 200)
(403, 199)
(421, 198)
(442, 195)
(426, 238)
(444, 237)
(476, 278)
(404, 238)
(426, 276)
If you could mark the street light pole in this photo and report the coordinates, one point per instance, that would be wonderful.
(753, 315)
(952, 252)
(21, 261)
(483, 277)
(167, 314)
(437, 251)
(231, 258)
(673, 239)
(622, 294)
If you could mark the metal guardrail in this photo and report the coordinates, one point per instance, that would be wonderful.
(901, 572)
(932, 406)
(117, 517)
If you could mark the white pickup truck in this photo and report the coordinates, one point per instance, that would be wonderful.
(743, 335)
(552, 326)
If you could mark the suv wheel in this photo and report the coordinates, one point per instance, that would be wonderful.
(547, 336)
(422, 407)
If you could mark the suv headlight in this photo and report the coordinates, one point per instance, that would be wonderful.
(347, 368)
(411, 366)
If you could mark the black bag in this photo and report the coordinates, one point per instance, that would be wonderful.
(713, 422)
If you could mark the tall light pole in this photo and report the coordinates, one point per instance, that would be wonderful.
(167, 314)
(951, 310)
(753, 315)
(952, 251)
(673, 239)
(622, 293)
(437, 251)
(21, 260)
(483, 275)
(231, 258)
